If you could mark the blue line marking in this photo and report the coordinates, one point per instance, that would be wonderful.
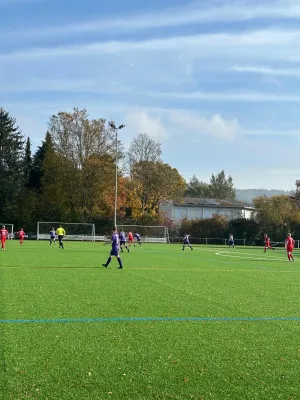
(148, 319)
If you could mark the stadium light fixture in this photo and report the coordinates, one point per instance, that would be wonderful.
(116, 129)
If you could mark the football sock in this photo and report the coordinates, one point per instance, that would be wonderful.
(108, 261)
(120, 262)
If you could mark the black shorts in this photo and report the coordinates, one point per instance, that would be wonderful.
(114, 252)
(60, 237)
(122, 243)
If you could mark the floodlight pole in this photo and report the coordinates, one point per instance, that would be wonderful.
(116, 129)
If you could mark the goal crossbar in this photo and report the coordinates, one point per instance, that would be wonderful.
(74, 230)
(149, 233)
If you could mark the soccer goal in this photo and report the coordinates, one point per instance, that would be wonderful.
(10, 228)
(74, 231)
(149, 234)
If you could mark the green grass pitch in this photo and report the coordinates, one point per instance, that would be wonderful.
(172, 324)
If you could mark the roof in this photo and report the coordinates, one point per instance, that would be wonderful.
(204, 202)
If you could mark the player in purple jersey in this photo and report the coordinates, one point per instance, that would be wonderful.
(114, 249)
(122, 238)
(52, 236)
(186, 242)
(138, 238)
(231, 241)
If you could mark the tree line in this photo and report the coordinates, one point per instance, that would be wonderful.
(277, 216)
(70, 177)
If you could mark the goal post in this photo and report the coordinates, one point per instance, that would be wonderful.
(10, 228)
(149, 234)
(74, 231)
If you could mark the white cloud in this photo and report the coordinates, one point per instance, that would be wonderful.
(159, 123)
(166, 123)
(198, 126)
(194, 13)
(203, 71)
(266, 70)
(177, 130)
(143, 121)
(230, 96)
(100, 86)
(271, 81)
(254, 44)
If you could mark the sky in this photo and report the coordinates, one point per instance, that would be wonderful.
(216, 82)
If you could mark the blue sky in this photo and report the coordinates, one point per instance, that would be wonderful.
(216, 82)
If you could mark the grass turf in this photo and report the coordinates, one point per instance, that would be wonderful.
(118, 355)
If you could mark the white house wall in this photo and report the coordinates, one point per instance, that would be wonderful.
(167, 208)
(209, 212)
(178, 213)
(247, 214)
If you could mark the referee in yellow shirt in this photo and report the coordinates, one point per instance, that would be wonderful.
(60, 234)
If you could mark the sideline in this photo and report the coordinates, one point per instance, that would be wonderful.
(150, 319)
(250, 256)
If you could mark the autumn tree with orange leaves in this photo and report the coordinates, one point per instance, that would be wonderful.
(86, 148)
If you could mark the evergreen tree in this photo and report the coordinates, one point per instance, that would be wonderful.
(37, 170)
(49, 168)
(11, 164)
(198, 189)
(27, 163)
(222, 187)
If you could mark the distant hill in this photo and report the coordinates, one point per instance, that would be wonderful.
(246, 195)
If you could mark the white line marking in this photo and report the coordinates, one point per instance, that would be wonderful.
(249, 256)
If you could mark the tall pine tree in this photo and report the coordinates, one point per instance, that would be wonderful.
(37, 170)
(222, 187)
(11, 165)
(49, 169)
(27, 163)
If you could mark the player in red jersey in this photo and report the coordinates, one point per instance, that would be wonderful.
(130, 238)
(4, 236)
(268, 243)
(289, 245)
(21, 236)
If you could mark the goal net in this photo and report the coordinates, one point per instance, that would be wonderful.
(74, 231)
(10, 228)
(150, 234)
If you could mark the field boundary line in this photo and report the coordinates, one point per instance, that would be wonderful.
(162, 269)
(248, 256)
(149, 319)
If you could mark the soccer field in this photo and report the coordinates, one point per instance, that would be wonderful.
(213, 323)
